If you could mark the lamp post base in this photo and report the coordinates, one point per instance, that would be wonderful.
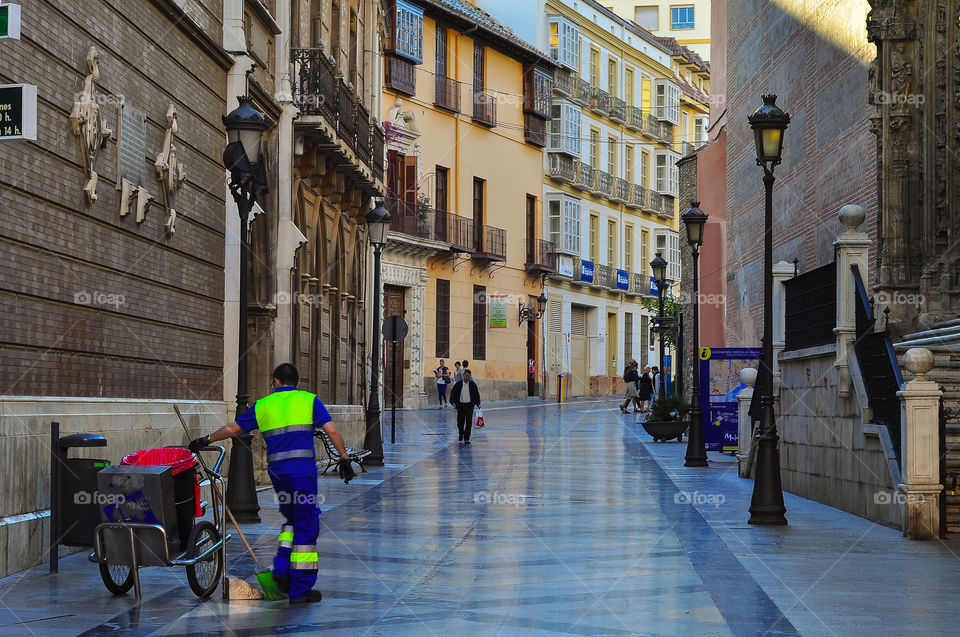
(766, 506)
(241, 489)
(372, 440)
(696, 455)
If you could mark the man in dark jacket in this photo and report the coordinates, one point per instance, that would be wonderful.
(465, 396)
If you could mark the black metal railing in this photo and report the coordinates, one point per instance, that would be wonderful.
(635, 117)
(563, 168)
(490, 243)
(623, 190)
(639, 283)
(378, 143)
(364, 134)
(484, 109)
(581, 91)
(584, 176)
(878, 365)
(534, 129)
(810, 308)
(618, 110)
(603, 183)
(651, 126)
(641, 196)
(314, 81)
(605, 276)
(562, 82)
(346, 115)
(542, 256)
(600, 100)
(460, 234)
(447, 93)
(399, 74)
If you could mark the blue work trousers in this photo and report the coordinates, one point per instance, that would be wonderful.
(297, 553)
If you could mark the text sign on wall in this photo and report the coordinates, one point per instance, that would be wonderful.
(9, 21)
(18, 111)
(623, 280)
(498, 310)
(586, 271)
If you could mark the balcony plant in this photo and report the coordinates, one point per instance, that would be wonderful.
(423, 213)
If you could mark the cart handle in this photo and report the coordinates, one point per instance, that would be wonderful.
(216, 467)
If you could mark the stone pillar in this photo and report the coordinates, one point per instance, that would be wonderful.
(781, 272)
(850, 249)
(920, 449)
(748, 376)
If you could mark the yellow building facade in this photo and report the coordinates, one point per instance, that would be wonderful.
(687, 21)
(465, 109)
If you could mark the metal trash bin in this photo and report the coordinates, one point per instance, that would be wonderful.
(186, 488)
(76, 478)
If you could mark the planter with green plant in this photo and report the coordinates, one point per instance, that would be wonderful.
(668, 420)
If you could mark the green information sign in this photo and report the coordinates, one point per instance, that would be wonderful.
(498, 310)
(9, 21)
(18, 111)
(4, 21)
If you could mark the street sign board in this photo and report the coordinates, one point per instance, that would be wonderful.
(18, 111)
(586, 271)
(394, 329)
(9, 21)
(623, 280)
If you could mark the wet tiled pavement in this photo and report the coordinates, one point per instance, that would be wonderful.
(557, 520)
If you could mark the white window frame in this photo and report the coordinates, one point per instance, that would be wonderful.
(701, 123)
(669, 251)
(565, 128)
(667, 173)
(666, 101)
(408, 31)
(567, 51)
(564, 218)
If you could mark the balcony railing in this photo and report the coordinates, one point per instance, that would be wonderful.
(418, 220)
(604, 183)
(534, 129)
(491, 244)
(666, 207)
(364, 134)
(641, 196)
(378, 143)
(542, 256)
(618, 110)
(666, 132)
(600, 101)
(656, 203)
(485, 109)
(624, 190)
(634, 117)
(584, 176)
(399, 74)
(346, 115)
(651, 126)
(563, 168)
(447, 94)
(460, 233)
(562, 82)
(639, 284)
(605, 276)
(313, 82)
(581, 91)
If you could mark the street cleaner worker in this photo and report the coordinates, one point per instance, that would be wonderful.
(287, 419)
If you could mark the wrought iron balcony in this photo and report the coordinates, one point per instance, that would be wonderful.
(377, 151)
(622, 191)
(605, 276)
(459, 233)
(581, 91)
(584, 176)
(618, 110)
(641, 196)
(485, 109)
(563, 168)
(634, 117)
(314, 81)
(490, 244)
(639, 284)
(364, 133)
(562, 82)
(534, 129)
(651, 126)
(399, 74)
(600, 101)
(666, 206)
(541, 257)
(602, 183)
(346, 115)
(447, 94)
(666, 132)
(655, 204)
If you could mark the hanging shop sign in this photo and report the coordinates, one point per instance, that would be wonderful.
(18, 111)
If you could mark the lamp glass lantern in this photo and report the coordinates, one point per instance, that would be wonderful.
(659, 267)
(768, 124)
(246, 125)
(378, 223)
(694, 220)
(541, 303)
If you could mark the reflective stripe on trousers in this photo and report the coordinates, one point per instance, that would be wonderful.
(303, 557)
(286, 536)
(286, 455)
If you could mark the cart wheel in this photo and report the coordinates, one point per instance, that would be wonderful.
(204, 575)
(116, 577)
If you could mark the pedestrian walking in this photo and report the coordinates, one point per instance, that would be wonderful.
(630, 378)
(457, 372)
(645, 389)
(443, 378)
(287, 419)
(465, 396)
(657, 379)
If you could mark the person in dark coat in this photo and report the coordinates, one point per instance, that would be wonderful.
(630, 378)
(465, 396)
(645, 389)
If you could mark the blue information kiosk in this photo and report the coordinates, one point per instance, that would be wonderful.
(719, 385)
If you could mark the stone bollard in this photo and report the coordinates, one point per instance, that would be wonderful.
(748, 376)
(920, 449)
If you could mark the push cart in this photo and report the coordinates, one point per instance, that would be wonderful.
(152, 506)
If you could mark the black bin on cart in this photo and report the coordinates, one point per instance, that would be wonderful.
(79, 499)
(186, 492)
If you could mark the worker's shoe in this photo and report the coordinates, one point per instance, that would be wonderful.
(283, 582)
(311, 597)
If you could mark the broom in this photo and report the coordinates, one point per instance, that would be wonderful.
(271, 592)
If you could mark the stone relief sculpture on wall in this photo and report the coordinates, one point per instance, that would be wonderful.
(89, 125)
(170, 169)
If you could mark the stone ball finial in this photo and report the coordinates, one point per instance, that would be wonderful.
(852, 216)
(748, 376)
(919, 360)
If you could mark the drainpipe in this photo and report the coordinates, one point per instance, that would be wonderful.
(456, 160)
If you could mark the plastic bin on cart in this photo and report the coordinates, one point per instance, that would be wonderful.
(77, 487)
(186, 490)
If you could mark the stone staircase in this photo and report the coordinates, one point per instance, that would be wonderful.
(943, 339)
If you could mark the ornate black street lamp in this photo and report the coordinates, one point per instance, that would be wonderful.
(378, 222)
(766, 507)
(527, 313)
(245, 126)
(694, 220)
(659, 267)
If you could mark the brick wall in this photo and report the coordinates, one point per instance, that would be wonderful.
(818, 67)
(95, 304)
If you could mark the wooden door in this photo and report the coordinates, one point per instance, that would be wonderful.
(393, 368)
(579, 352)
